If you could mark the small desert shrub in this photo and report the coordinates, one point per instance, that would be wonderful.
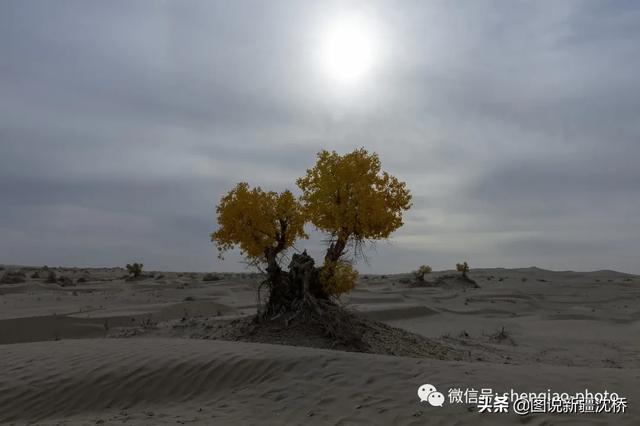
(211, 277)
(338, 277)
(463, 268)
(148, 323)
(135, 270)
(35, 275)
(12, 277)
(64, 281)
(51, 278)
(81, 280)
(502, 335)
(422, 271)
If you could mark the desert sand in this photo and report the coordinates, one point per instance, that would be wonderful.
(109, 351)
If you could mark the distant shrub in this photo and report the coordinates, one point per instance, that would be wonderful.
(51, 278)
(135, 270)
(338, 277)
(81, 280)
(15, 277)
(65, 281)
(211, 277)
(463, 268)
(422, 271)
(35, 275)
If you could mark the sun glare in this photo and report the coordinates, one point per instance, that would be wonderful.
(348, 52)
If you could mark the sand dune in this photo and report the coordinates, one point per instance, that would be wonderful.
(563, 331)
(155, 381)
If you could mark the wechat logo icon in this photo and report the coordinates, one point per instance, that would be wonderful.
(429, 394)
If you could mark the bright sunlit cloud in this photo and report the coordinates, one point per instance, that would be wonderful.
(349, 50)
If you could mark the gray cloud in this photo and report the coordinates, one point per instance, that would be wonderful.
(514, 124)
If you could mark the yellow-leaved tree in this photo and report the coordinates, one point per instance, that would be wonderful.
(262, 224)
(347, 196)
(350, 198)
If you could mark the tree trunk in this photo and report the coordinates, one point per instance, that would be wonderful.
(277, 288)
(273, 269)
(335, 250)
(288, 290)
(304, 277)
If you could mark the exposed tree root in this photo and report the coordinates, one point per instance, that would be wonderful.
(331, 327)
(298, 312)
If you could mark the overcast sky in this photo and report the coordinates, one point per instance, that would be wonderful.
(516, 125)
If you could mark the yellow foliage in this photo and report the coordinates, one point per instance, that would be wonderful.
(338, 277)
(256, 221)
(462, 267)
(423, 270)
(349, 196)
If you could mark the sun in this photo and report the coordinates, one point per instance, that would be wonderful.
(348, 52)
